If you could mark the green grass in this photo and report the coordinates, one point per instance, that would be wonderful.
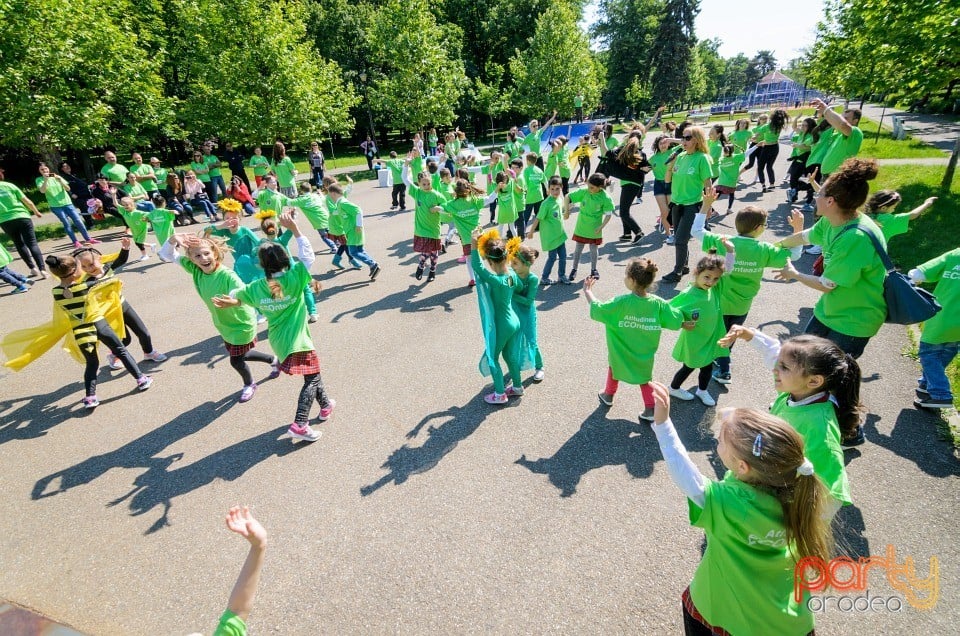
(889, 148)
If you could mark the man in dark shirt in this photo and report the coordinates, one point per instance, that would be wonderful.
(234, 160)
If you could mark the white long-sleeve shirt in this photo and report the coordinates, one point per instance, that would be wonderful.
(682, 470)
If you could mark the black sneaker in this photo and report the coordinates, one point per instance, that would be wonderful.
(672, 277)
(854, 440)
(921, 393)
(595, 275)
(932, 403)
(721, 378)
(685, 271)
(431, 275)
(443, 248)
(625, 237)
(605, 399)
(637, 238)
(573, 274)
(419, 274)
(374, 271)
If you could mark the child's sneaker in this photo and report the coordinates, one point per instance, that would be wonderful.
(605, 398)
(854, 440)
(546, 282)
(565, 281)
(647, 415)
(355, 264)
(595, 275)
(671, 240)
(513, 391)
(929, 402)
(681, 394)
(114, 362)
(20, 289)
(705, 397)
(538, 375)
(721, 378)
(326, 411)
(77, 245)
(374, 272)
(336, 263)
(495, 398)
(472, 283)
(91, 402)
(573, 275)
(144, 382)
(419, 273)
(431, 275)
(808, 207)
(462, 259)
(93, 241)
(247, 393)
(312, 318)
(303, 433)
(154, 356)
(274, 368)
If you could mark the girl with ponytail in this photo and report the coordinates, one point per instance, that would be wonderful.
(819, 395)
(760, 521)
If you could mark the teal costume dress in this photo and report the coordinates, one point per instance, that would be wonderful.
(523, 304)
(499, 322)
(244, 244)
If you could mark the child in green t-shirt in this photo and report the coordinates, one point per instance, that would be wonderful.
(522, 258)
(633, 323)
(534, 181)
(728, 170)
(880, 208)
(314, 207)
(279, 297)
(553, 238)
(260, 165)
(596, 210)
(398, 196)
(351, 221)
(940, 339)
(427, 208)
(464, 208)
(509, 192)
(763, 522)
(136, 220)
(273, 233)
(819, 395)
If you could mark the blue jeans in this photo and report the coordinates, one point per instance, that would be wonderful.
(206, 206)
(934, 359)
(11, 277)
(356, 252)
(146, 206)
(215, 188)
(558, 253)
(248, 208)
(325, 237)
(69, 215)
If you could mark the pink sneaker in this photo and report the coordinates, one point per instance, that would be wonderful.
(513, 391)
(247, 393)
(303, 433)
(462, 259)
(274, 369)
(327, 411)
(93, 241)
(495, 398)
(77, 245)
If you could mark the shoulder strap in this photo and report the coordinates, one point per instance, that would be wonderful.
(882, 253)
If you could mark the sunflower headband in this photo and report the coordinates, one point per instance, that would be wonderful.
(513, 251)
(483, 242)
(264, 214)
(231, 206)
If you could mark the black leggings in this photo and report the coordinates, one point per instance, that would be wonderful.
(796, 170)
(768, 154)
(135, 327)
(239, 363)
(628, 192)
(24, 238)
(312, 390)
(703, 378)
(107, 336)
(753, 156)
(584, 168)
(683, 217)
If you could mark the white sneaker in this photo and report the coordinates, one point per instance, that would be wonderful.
(681, 394)
(154, 356)
(114, 362)
(705, 397)
(538, 375)
(671, 239)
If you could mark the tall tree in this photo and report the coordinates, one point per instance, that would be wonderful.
(761, 64)
(734, 81)
(713, 67)
(626, 30)
(556, 65)
(674, 51)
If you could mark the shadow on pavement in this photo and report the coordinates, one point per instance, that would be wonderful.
(459, 423)
(914, 437)
(849, 533)
(406, 301)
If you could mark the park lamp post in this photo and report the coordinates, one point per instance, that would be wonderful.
(366, 98)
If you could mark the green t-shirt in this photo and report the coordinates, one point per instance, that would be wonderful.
(945, 326)
(893, 224)
(287, 315)
(137, 222)
(611, 142)
(512, 149)
(509, 202)
(578, 102)
(492, 170)
(236, 325)
(426, 224)
(698, 347)
(742, 285)
(533, 178)
(135, 190)
(11, 203)
(144, 169)
(213, 164)
(744, 583)
(841, 149)
(396, 170)
(716, 151)
(533, 140)
(817, 425)
(658, 161)
(416, 167)
(201, 169)
(551, 168)
(856, 307)
(633, 325)
(453, 148)
(689, 174)
(57, 196)
(593, 207)
(268, 199)
(244, 244)
(819, 150)
(351, 219)
(260, 165)
(162, 221)
(230, 625)
(466, 215)
(730, 170)
(314, 207)
(741, 139)
(767, 135)
(115, 174)
(336, 219)
(161, 174)
(552, 234)
(804, 139)
(285, 172)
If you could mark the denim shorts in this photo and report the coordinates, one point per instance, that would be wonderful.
(660, 187)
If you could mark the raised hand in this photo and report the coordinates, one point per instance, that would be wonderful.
(737, 332)
(661, 402)
(796, 220)
(240, 521)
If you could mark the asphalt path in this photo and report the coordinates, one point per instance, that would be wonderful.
(421, 509)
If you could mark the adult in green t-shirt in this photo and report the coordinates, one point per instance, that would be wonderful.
(15, 223)
(687, 175)
(160, 173)
(217, 187)
(852, 308)
(260, 165)
(57, 191)
(940, 339)
(847, 140)
(533, 140)
(578, 105)
(145, 175)
(767, 138)
(115, 173)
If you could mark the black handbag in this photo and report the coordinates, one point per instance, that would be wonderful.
(906, 303)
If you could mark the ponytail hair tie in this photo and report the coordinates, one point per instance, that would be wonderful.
(806, 468)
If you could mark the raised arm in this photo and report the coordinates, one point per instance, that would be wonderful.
(682, 470)
(240, 521)
(836, 119)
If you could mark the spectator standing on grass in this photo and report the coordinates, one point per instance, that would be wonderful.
(317, 163)
(260, 165)
(79, 192)
(369, 148)
(234, 159)
(283, 167)
(216, 186)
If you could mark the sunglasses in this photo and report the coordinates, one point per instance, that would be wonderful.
(687, 137)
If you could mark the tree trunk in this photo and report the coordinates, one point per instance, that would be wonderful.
(951, 167)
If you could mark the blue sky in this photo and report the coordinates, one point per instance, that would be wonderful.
(747, 26)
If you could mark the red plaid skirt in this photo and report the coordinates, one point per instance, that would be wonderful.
(235, 351)
(423, 245)
(691, 609)
(725, 190)
(339, 239)
(587, 241)
(301, 363)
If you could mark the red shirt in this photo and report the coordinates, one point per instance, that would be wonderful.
(240, 193)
